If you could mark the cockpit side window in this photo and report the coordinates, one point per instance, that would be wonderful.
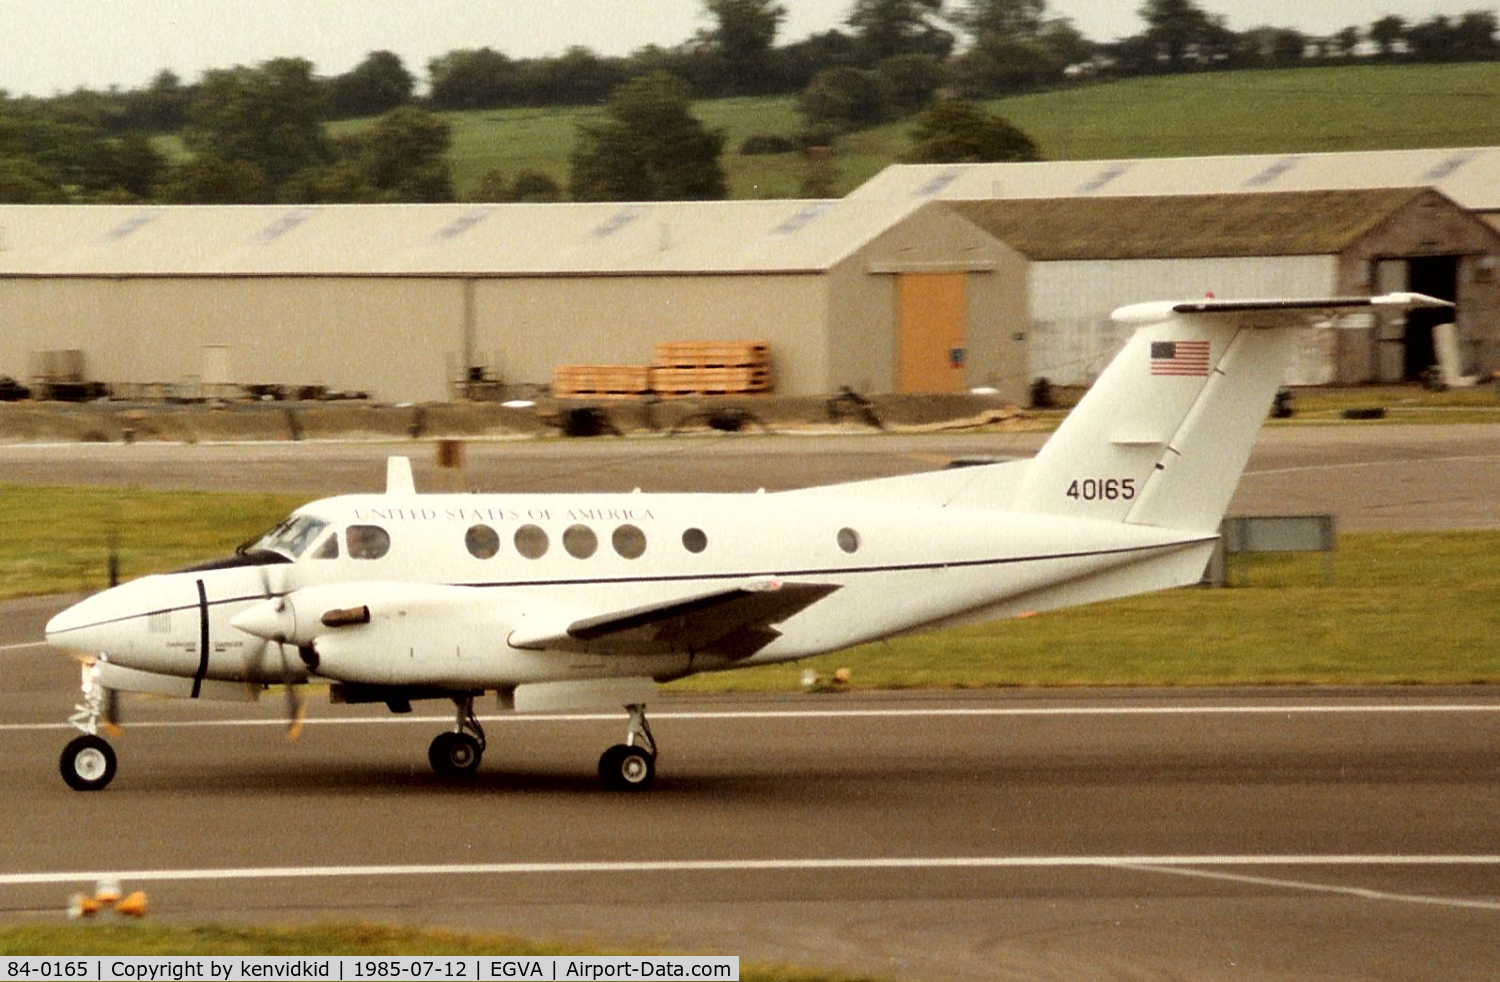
(292, 537)
(329, 549)
(367, 541)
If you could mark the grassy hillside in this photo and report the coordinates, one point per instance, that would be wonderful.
(1363, 107)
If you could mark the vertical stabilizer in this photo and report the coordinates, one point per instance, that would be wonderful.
(1161, 438)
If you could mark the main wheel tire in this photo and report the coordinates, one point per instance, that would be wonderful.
(626, 768)
(88, 763)
(454, 754)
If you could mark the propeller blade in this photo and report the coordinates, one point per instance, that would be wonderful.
(295, 712)
(112, 712)
(112, 562)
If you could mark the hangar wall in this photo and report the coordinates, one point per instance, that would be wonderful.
(385, 335)
(1073, 337)
(862, 307)
(533, 324)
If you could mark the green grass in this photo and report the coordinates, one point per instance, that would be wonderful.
(1306, 110)
(57, 539)
(1401, 607)
(105, 938)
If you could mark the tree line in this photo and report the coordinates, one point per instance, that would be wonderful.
(258, 134)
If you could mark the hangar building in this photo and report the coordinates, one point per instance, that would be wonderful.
(400, 300)
(1089, 255)
(1126, 218)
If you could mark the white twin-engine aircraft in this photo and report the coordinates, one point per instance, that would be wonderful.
(563, 601)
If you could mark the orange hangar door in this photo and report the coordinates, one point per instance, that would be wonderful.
(930, 342)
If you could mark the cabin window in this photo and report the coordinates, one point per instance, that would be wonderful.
(694, 540)
(580, 541)
(482, 542)
(531, 541)
(848, 540)
(329, 549)
(629, 541)
(367, 541)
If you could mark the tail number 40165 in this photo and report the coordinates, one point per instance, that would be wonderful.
(1102, 489)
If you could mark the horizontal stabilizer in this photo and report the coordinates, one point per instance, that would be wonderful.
(1271, 313)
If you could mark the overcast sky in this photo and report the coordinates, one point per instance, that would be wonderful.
(47, 46)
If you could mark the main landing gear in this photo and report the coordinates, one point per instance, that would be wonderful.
(457, 752)
(88, 761)
(631, 766)
(628, 766)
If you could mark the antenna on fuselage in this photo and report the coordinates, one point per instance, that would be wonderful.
(398, 476)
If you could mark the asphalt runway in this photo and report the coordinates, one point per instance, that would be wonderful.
(1192, 834)
(1025, 834)
(1367, 477)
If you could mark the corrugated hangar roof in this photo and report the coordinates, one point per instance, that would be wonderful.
(1292, 223)
(1468, 175)
(436, 240)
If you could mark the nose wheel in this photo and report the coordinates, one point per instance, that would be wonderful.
(457, 753)
(88, 763)
(631, 766)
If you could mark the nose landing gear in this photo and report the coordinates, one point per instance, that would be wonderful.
(88, 761)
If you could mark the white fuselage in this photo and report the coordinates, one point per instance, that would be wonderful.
(463, 576)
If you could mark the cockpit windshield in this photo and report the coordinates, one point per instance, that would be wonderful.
(291, 538)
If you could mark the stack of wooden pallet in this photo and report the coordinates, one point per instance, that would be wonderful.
(687, 368)
(601, 381)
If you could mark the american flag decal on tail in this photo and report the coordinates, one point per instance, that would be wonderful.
(1179, 358)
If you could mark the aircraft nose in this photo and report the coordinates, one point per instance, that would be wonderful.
(81, 626)
(269, 619)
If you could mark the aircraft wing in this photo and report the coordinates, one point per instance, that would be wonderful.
(737, 622)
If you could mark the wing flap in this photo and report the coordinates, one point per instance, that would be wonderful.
(724, 620)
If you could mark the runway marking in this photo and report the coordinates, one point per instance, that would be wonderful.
(1162, 863)
(1370, 463)
(733, 714)
(1362, 892)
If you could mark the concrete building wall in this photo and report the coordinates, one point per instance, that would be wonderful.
(529, 325)
(386, 336)
(1073, 338)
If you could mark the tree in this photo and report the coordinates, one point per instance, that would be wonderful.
(957, 132)
(269, 117)
(1431, 40)
(1010, 19)
(480, 78)
(1346, 42)
(907, 82)
(887, 28)
(741, 41)
(842, 99)
(1175, 28)
(997, 65)
(377, 84)
(1288, 46)
(1387, 32)
(163, 105)
(210, 180)
(1474, 36)
(404, 156)
(649, 147)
